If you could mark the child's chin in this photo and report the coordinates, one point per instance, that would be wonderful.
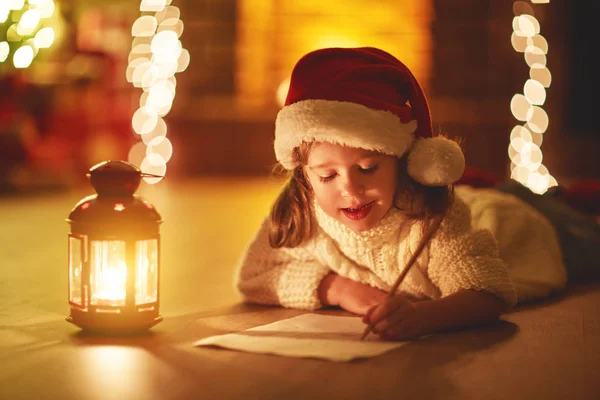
(358, 226)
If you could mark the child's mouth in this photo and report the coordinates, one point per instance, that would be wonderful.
(359, 213)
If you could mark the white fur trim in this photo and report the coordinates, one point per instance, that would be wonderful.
(339, 122)
(436, 161)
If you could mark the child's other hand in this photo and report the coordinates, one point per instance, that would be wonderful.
(394, 319)
(359, 298)
(352, 296)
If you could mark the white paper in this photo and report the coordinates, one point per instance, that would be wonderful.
(308, 335)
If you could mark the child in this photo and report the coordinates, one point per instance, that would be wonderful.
(367, 179)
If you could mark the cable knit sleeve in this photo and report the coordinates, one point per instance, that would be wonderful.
(288, 277)
(465, 258)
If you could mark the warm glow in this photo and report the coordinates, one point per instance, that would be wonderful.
(112, 281)
(119, 207)
(23, 57)
(540, 1)
(28, 22)
(44, 38)
(4, 49)
(262, 63)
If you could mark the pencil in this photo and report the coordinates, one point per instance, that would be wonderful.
(432, 229)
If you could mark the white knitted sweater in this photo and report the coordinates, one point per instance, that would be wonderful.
(489, 241)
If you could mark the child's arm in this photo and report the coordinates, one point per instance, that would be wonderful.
(397, 318)
(282, 276)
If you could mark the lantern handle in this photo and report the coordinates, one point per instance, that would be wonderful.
(146, 175)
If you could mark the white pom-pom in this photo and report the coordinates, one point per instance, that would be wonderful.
(436, 161)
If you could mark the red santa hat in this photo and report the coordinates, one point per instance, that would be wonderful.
(365, 98)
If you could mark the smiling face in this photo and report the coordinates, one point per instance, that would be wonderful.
(354, 186)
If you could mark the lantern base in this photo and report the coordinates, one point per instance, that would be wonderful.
(110, 324)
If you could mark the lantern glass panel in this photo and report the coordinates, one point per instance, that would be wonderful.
(146, 255)
(75, 265)
(108, 273)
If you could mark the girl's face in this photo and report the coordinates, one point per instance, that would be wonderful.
(355, 186)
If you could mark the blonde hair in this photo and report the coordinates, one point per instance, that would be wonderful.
(291, 214)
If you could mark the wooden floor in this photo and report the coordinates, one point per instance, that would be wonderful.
(546, 351)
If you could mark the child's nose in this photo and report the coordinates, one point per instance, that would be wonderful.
(352, 186)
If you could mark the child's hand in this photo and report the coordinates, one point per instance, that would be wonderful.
(359, 298)
(352, 296)
(396, 318)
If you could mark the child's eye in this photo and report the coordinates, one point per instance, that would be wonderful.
(326, 178)
(368, 170)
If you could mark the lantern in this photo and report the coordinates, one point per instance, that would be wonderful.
(114, 254)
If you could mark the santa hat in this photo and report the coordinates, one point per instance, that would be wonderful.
(365, 98)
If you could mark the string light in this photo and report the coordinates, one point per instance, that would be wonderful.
(526, 140)
(26, 32)
(156, 56)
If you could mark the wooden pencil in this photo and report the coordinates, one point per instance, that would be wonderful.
(432, 229)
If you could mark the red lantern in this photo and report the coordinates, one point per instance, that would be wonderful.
(114, 254)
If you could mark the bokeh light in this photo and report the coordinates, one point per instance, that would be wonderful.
(156, 56)
(4, 50)
(23, 57)
(520, 107)
(144, 26)
(29, 29)
(540, 73)
(534, 92)
(28, 22)
(44, 37)
(524, 149)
